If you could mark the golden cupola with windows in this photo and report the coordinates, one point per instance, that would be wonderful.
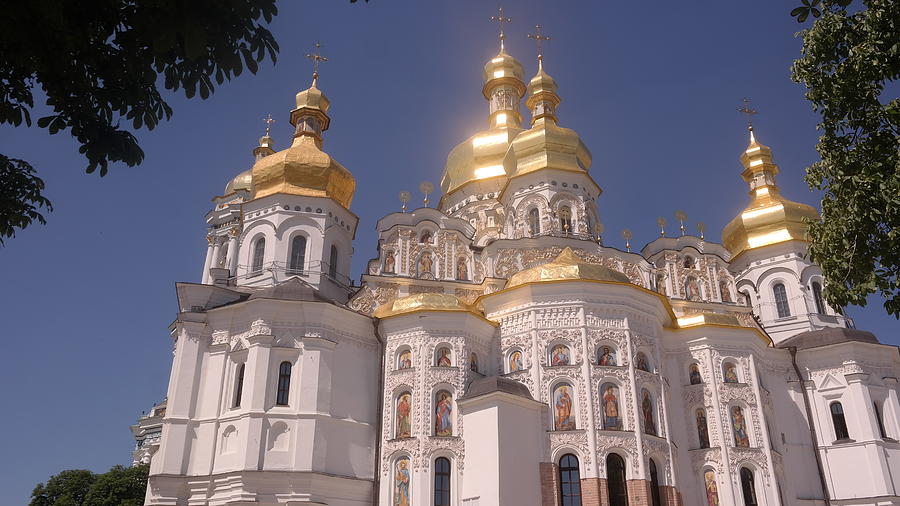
(769, 218)
(546, 145)
(303, 168)
(480, 157)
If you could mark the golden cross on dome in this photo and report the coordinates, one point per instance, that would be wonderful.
(268, 121)
(749, 112)
(539, 38)
(316, 59)
(500, 19)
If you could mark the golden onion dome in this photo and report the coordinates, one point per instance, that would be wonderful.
(303, 168)
(481, 155)
(566, 267)
(769, 218)
(424, 302)
(243, 181)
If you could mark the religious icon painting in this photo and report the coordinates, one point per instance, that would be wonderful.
(691, 288)
(443, 358)
(712, 490)
(739, 427)
(609, 394)
(694, 371)
(647, 411)
(563, 408)
(559, 355)
(729, 371)
(403, 416)
(401, 483)
(473, 362)
(606, 356)
(640, 362)
(443, 414)
(702, 428)
(515, 361)
(389, 262)
(404, 360)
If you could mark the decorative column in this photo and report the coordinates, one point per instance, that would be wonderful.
(774, 496)
(210, 240)
(231, 252)
(724, 433)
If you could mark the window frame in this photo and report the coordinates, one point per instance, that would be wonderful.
(283, 386)
(782, 307)
(569, 474)
(259, 254)
(239, 386)
(839, 421)
(292, 266)
(446, 492)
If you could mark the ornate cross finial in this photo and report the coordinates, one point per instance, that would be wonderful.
(500, 19)
(749, 112)
(404, 198)
(626, 234)
(316, 59)
(662, 226)
(426, 188)
(268, 121)
(681, 216)
(539, 38)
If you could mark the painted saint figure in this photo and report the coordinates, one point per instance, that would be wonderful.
(640, 362)
(606, 357)
(702, 428)
(443, 414)
(691, 288)
(647, 409)
(726, 293)
(515, 361)
(389, 262)
(404, 361)
(401, 483)
(611, 419)
(729, 370)
(739, 426)
(696, 379)
(426, 237)
(563, 406)
(425, 263)
(559, 355)
(404, 408)
(661, 284)
(473, 362)
(712, 490)
(443, 358)
(462, 269)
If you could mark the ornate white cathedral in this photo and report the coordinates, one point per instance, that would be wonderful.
(496, 352)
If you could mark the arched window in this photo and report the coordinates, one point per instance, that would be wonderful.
(569, 481)
(473, 362)
(817, 297)
(332, 262)
(284, 384)
(441, 482)
(747, 298)
(565, 219)
(239, 387)
(640, 362)
(748, 487)
(647, 413)
(880, 420)
(839, 422)
(694, 373)
(259, 251)
(781, 302)
(298, 254)
(616, 488)
(654, 484)
(702, 428)
(534, 221)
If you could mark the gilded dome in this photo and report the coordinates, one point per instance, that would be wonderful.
(304, 169)
(769, 218)
(424, 302)
(243, 181)
(547, 145)
(502, 68)
(566, 266)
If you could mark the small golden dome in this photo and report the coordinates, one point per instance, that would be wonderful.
(503, 69)
(478, 157)
(313, 98)
(769, 218)
(243, 181)
(304, 169)
(424, 302)
(566, 266)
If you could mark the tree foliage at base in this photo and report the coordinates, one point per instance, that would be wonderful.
(850, 55)
(100, 64)
(120, 486)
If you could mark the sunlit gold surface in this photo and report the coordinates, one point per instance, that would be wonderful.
(503, 69)
(547, 146)
(304, 169)
(424, 302)
(566, 266)
(243, 181)
(769, 218)
(707, 319)
(468, 160)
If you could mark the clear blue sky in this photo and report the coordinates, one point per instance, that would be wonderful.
(652, 88)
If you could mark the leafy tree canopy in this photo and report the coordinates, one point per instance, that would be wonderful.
(100, 67)
(850, 64)
(120, 486)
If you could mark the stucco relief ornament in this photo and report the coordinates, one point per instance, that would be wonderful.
(219, 337)
(369, 297)
(607, 443)
(259, 328)
(572, 439)
(705, 457)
